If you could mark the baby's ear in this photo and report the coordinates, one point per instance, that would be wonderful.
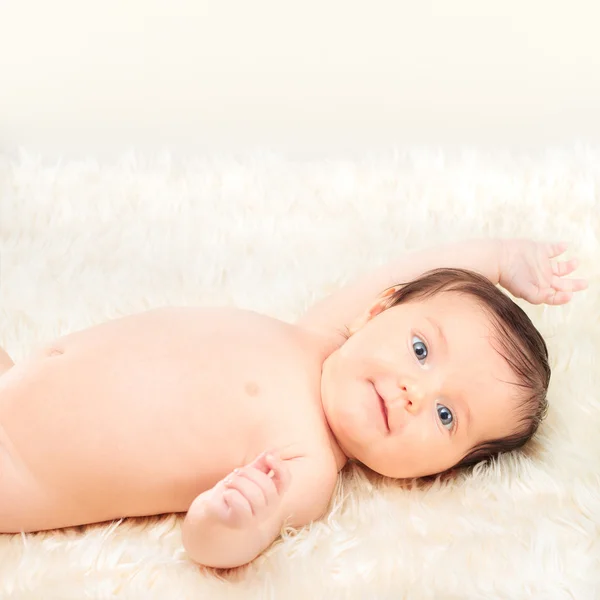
(376, 308)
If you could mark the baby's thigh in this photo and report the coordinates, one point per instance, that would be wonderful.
(21, 499)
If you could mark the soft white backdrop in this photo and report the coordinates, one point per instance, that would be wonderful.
(237, 191)
(307, 77)
(81, 242)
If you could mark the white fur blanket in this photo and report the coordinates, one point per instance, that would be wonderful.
(82, 242)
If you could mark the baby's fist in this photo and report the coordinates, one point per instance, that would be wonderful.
(252, 492)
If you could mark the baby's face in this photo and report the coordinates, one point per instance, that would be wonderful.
(417, 387)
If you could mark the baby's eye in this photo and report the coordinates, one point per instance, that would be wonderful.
(419, 348)
(445, 415)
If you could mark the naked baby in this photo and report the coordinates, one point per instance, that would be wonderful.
(243, 421)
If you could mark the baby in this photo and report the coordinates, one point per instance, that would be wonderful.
(243, 421)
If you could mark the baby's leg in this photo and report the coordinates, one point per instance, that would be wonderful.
(23, 502)
(19, 502)
(5, 362)
(14, 495)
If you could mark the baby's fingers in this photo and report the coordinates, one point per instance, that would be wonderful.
(555, 298)
(556, 249)
(561, 284)
(280, 473)
(249, 489)
(564, 267)
(239, 511)
(275, 468)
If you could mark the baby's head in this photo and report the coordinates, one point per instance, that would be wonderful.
(441, 372)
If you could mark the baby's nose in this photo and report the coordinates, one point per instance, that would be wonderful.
(414, 397)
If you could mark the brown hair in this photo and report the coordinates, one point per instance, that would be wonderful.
(521, 345)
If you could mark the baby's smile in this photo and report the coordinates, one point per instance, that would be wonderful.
(410, 404)
(382, 407)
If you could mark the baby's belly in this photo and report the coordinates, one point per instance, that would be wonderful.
(140, 427)
(111, 445)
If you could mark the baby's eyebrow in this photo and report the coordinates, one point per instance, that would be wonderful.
(467, 413)
(459, 405)
(439, 331)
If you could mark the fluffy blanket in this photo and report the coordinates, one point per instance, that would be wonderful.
(83, 241)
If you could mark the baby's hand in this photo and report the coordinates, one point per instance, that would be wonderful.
(249, 493)
(527, 271)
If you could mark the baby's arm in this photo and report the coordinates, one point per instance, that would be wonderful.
(523, 267)
(232, 523)
(341, 308)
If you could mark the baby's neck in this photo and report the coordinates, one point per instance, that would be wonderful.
(322, 345)
(340, 457)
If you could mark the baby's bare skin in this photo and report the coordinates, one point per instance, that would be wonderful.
(139, 415)
(151, 413)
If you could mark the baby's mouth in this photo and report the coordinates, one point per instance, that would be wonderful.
(383, 408)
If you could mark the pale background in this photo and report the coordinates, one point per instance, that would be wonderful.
(306, 77)
(95, 224)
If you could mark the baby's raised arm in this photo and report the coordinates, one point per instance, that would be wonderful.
(523, 267)
(232, 523)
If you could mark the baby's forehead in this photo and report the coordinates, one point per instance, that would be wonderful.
(466, 328)
(452, 304)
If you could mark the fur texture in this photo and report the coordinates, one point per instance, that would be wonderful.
(82, 242)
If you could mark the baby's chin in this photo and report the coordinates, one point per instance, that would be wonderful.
(394, 468)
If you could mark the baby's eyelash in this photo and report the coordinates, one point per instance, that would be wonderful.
(454, 421)
(452, 430)
(422, 339)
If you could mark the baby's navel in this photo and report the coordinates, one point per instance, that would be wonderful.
(251, 388)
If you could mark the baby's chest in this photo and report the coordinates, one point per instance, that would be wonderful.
(247, 396)
(263, 405)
